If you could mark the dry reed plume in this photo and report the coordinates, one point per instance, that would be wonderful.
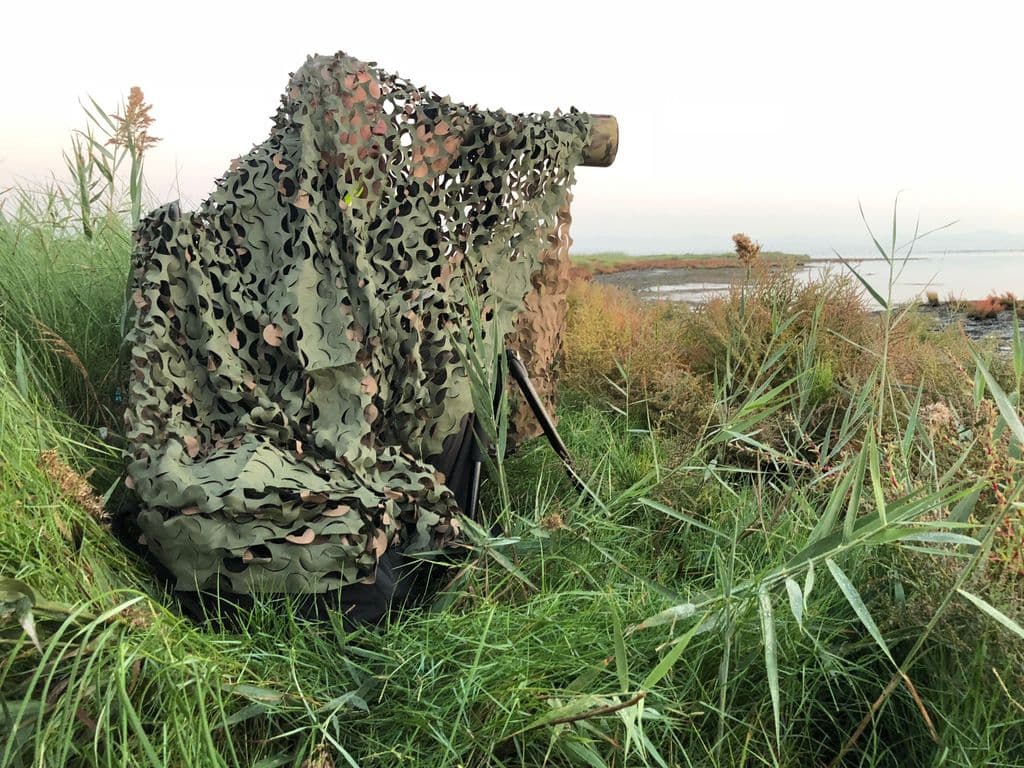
(72, 485)
(747, 250)
(133, 126)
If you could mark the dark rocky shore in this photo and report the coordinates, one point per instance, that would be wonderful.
(999, 327)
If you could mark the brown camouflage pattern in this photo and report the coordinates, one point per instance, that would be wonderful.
(539, 327)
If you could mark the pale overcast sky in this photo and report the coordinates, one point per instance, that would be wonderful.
(773, 118)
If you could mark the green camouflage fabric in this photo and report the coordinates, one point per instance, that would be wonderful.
(297, 346)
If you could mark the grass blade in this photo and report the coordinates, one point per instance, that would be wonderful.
(853, 505)
(864, 218)
(863, 281)
(669, 616)
(621, 663)
(670, 659)
(133, 717)
(876, 479)
(965, 507)
(1006, 408)
(20, 368)
(771, 661)
(995, 613)
(857, 603)
(796, 600)
(827, 521)
(682, 517)
(943, 537)
(1018, 350)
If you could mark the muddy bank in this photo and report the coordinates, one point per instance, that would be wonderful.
(591, 265)
(690, 284)
(999, 327)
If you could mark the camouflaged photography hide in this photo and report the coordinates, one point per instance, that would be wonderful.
(297, 349)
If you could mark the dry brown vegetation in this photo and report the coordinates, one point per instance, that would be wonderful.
(985, 309)
(988, 307)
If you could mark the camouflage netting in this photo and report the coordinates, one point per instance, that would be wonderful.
(297, 346)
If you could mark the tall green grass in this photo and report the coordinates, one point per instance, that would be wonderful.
(712, 599)
(61, 300)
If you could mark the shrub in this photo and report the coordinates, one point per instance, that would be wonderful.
(775, 309)
(611, 329)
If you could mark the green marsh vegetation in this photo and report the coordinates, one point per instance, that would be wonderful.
(800, 544)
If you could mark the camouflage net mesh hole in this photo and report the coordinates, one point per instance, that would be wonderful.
(296, 347)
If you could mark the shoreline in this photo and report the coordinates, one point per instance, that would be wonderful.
(694, 277)
(689, 283)
(594, 264)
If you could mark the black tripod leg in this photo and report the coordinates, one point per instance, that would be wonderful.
(520, 376)
(473, 499)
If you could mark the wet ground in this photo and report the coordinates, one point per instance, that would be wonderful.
(999, 327)
(690, 284)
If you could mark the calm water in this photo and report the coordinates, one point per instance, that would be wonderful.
(960, 274)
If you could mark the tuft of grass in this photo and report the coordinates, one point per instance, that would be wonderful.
(62, 299)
